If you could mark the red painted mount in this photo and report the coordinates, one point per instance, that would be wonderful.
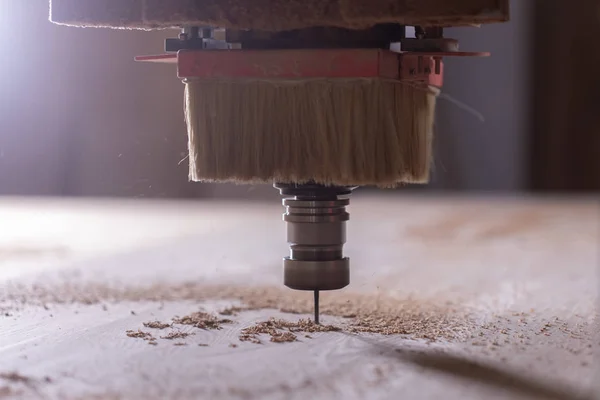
(424, 68)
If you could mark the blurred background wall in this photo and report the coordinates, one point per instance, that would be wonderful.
(472, 154)
(78, 117)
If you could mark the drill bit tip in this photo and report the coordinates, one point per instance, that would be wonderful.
(317, 307)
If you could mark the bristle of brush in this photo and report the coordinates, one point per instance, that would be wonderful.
(332, 132)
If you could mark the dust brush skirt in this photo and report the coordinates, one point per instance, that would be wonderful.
(341, 132)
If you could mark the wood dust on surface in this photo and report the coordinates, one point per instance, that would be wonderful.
(176, 335)
(279, 330)
(202, 320)
(380, 314)
(11, 383)
(139, 334)
(282, 331)
(156, 325)
(501, 337)
(15, 377)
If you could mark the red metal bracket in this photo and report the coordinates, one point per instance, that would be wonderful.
(422, 69)
(417, 67)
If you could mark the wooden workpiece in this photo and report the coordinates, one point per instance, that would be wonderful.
(496, 297)
(275, 15)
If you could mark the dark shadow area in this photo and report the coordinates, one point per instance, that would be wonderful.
(468, 370)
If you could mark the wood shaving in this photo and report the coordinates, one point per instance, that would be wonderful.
(139, 334)
(282, 331)
(179, 344)
(202, 345)
(176, 335)
(232, 311)
(202, 320)
(156, 325)
(284, 337)
(153, 342)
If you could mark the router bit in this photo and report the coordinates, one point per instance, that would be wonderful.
(316, 217)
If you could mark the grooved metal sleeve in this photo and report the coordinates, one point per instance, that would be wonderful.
(316, 232)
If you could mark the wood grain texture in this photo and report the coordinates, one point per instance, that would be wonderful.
(275, 15)
(525, 270)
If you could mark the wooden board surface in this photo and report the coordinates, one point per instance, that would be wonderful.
(76, 275)
(275, 15)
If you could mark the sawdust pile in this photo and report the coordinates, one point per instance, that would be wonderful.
(282, 331)
(381, 314)
(176, 335)
(156, 325)
(202, 320)
(139, 335)
(399, 325)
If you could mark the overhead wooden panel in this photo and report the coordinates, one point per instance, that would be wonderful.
(275, 15)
